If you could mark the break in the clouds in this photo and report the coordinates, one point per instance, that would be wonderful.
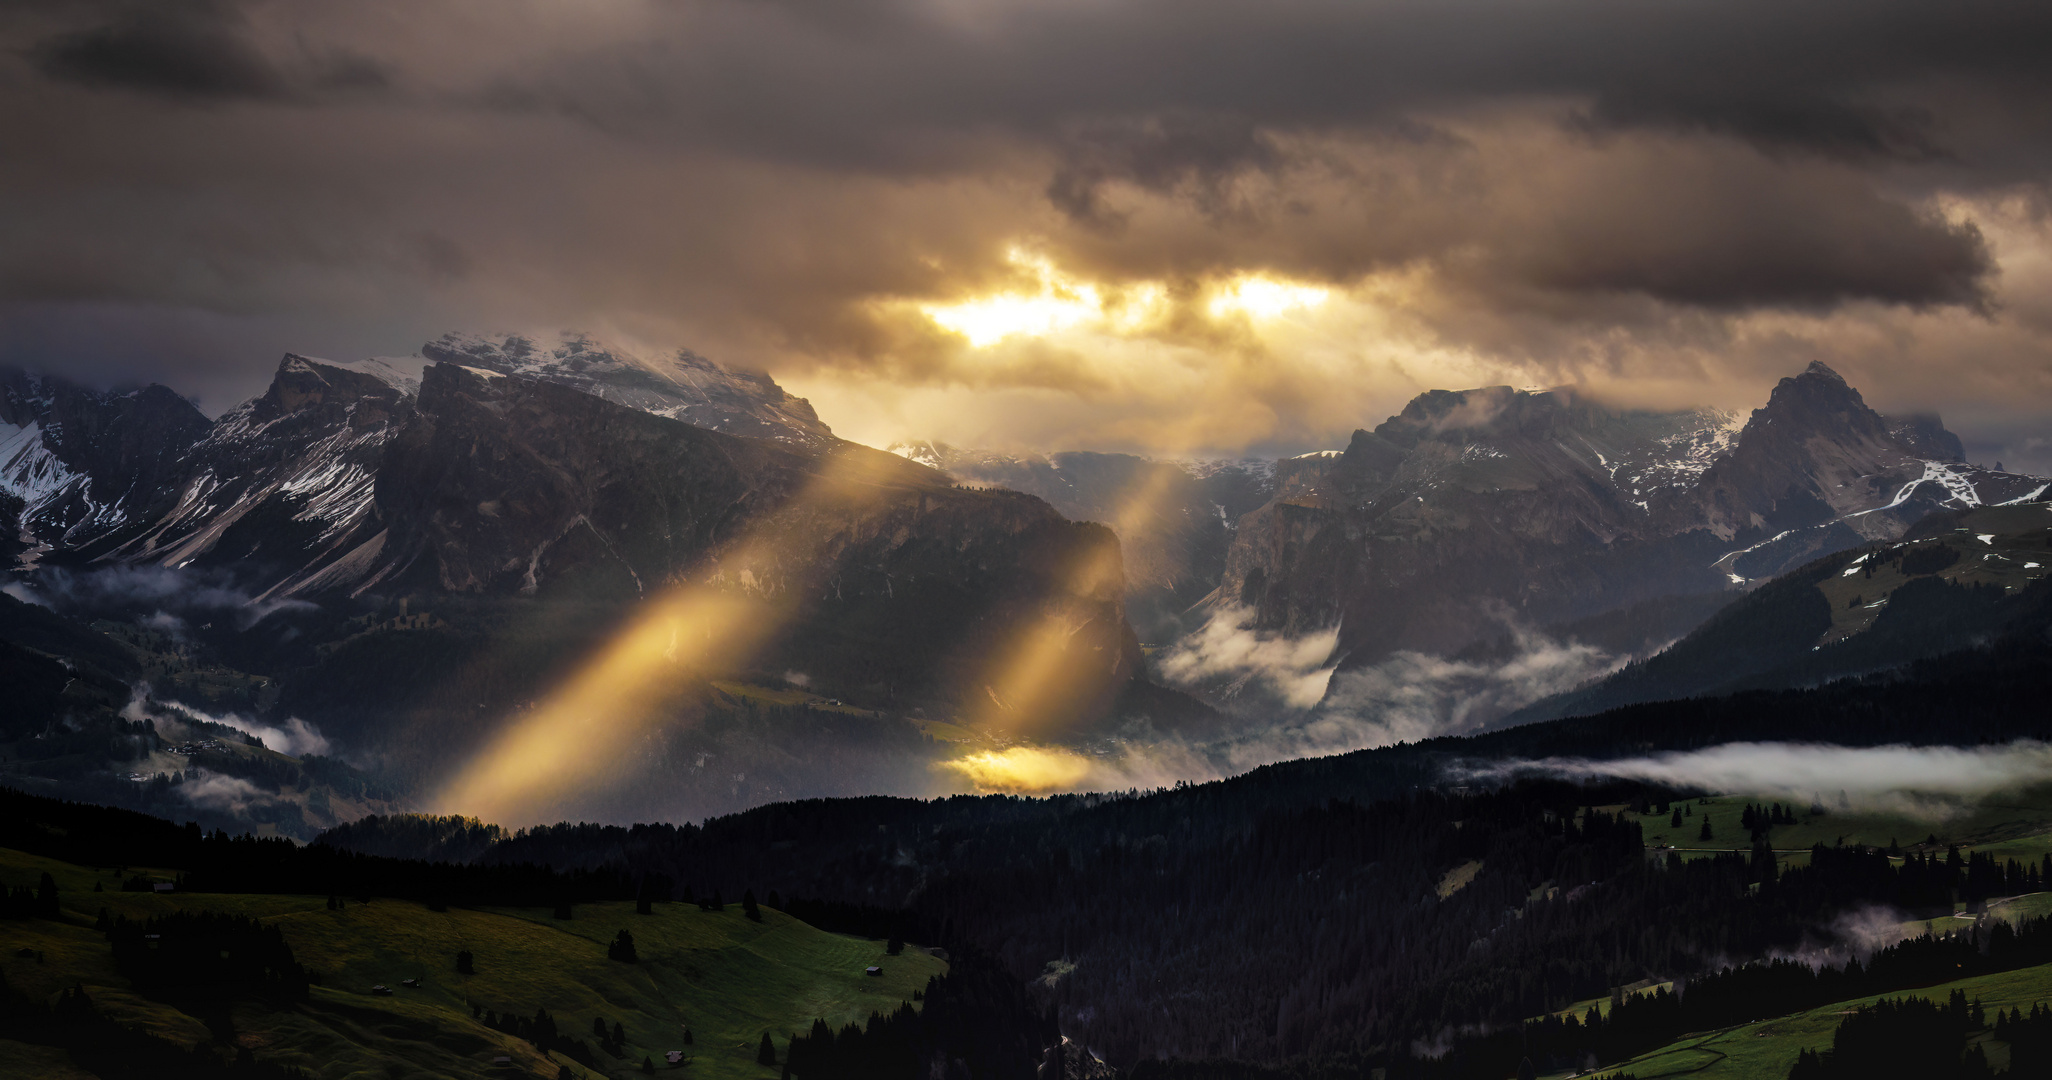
(1153, 225)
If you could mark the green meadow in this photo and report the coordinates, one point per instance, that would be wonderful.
(2014, 826)
(1768, 1048)
(718, 975)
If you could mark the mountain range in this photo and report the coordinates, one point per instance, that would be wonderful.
(408, 554)
(1473, 513)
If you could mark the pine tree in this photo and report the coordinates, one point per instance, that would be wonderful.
(1704, 832)
(464, 965)
(748, 907)
(768, 1054)
(619, 1034)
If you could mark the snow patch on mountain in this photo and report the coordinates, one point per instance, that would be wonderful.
(679, 384)
(29, 471)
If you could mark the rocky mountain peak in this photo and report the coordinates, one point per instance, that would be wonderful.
(1819, 367)
(1819, 402)
(304, 383)
(678, 384)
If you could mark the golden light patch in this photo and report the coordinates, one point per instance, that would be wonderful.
(1053, 302)
(1023, 770)
(584, 734)
(590, 724)
(1057, 302)
(1266, 298)
(1040, 681)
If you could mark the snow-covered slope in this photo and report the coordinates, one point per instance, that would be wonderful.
(78, 464)
(681, 385)
(284, 485)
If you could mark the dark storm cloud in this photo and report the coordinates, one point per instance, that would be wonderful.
(1203, 153)
(195, 50)
(780, 179)
(178, 48)
(1733, 233)
(1839, 77)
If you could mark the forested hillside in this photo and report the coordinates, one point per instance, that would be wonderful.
(1364, 905)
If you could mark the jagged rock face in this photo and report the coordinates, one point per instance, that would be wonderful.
(282, 486)
(1174, 519)
(1472, 509)
(1814, 453)
(508, 486)
(680, 385)
(77, 464)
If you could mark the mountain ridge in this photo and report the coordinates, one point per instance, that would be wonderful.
(1473, 510)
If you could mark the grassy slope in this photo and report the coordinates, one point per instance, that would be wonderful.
(2012, 827)
(722, 976)
(1768, 1048)
(2015, 826)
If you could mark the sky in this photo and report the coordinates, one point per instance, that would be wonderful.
(1165, 226)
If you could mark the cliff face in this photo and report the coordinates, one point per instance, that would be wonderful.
(78, 464)
(1473, 510)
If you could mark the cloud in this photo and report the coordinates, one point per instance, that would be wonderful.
(1932, 782)
(1682, 197)
(191, 49)
(1413, 696)
(195, 51)
(170, 595)
(293, 737)
(24, 594)
(1228, 656)
(216, 791)
(1406, 698)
